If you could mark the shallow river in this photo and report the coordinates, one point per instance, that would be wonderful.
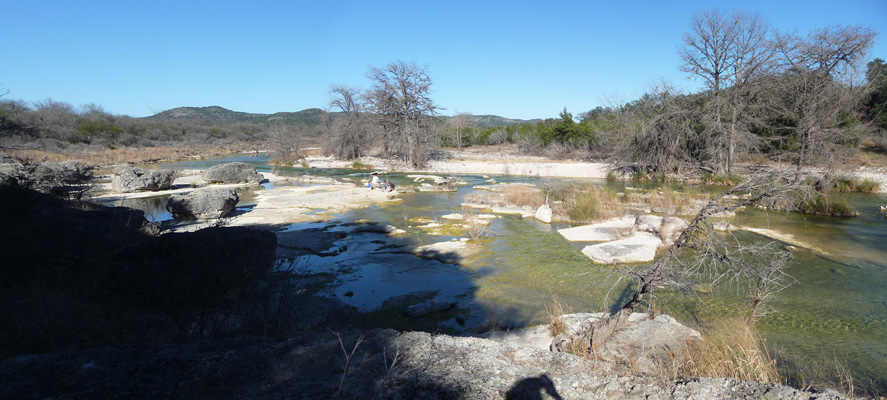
(835, 312)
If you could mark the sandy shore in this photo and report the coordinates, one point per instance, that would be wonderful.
(465, 162)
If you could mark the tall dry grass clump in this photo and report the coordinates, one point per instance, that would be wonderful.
(553, 315)
(730, 349)
(585, 203)
(523, 196)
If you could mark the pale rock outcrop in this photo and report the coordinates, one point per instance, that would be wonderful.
(671, 229)
(640, 247)
(130, 179)
(234, 172)
(642, 343)
(543, 213)
(448, 252)
(599, 232)
(647, 223)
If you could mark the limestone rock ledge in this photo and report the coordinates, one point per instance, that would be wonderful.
(386, 364)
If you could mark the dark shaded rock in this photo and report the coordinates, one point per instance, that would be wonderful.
(202, 204)
(235, 172)
(130, 179)
(74, 277)
(197, 271)
(47, 177)
(384, 364)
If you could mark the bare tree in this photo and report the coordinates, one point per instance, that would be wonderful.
(400, 97)
(459, 123)
(348, 134)
(752, 57)
(659, 134)
(730, 53)
(706, 55)
(286, 141)
(822, 88)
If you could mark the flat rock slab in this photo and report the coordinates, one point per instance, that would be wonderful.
(291, 204)
(453, 217)
(599, 232)
(640, 247)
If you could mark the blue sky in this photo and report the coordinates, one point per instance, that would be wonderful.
(515, 59)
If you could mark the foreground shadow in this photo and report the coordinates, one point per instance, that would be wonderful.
(533, 389)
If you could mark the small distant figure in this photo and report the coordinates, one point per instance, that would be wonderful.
(390, 187)
(375, 180)
(369, 185)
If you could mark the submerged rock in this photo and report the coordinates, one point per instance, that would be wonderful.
(430, 306)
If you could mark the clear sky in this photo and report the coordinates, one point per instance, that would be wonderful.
(512, 58)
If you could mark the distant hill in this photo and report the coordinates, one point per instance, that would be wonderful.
(492, 121)
(311, 116)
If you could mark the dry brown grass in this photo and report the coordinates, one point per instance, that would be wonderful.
(523, 196)
(138, 155)
(730, 349)
(478, 197)
(553, 314)
(584, 202)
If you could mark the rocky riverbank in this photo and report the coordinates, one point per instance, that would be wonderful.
(382, 364)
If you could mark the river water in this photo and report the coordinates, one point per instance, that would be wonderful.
(836, 312)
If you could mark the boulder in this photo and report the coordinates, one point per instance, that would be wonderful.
(202, 204)
(46, 177)
(647, 223)
(599, 232)
(235, 172)
(671, 228)
(543, 213)
(130, 179)
(640, 247)
(643, 344)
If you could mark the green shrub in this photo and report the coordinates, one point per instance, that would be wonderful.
(868, 186)
(822, 204)
(357, 164)
(851, 185)
(708, 178)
